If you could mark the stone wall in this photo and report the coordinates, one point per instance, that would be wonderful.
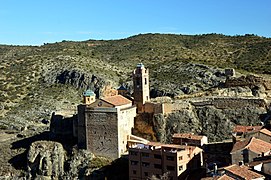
(61, 126)
(102, 133)
(231, 102)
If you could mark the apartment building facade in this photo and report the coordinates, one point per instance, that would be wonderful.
(155, 159)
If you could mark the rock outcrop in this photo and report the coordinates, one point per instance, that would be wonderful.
(214, 117)
(45, 160)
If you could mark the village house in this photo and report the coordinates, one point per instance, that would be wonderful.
(263, 134)
(152, 158)
(262, 164)
(241, 132)
(189, 139)
(242, 172)
(245, 151)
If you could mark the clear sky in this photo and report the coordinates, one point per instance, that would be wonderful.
(34, 22)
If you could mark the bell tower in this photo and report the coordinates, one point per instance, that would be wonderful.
(89, 97)
(141, 86)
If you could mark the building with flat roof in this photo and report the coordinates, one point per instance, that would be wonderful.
(153, 158)
(190, 139)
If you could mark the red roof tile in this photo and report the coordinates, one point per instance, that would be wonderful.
(245, 129)
(117, 100)
(243, 172)
(225, 177)
(265, 131)
(253, 144)
(187, 136)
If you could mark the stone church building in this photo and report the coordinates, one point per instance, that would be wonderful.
(103, 126)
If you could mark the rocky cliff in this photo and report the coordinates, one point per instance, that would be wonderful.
(213, 117)
(45, 160)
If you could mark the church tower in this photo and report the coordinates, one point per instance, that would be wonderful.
(89, 97)
(141, 86)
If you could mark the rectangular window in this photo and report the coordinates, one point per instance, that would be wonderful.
(158, 166)
(180, 158)
(147, 97)
(133, 153)
(146, 81)
(157, 156)
(145, 154)
(146, 173)
(145, 164)
(137, 81)
(134, 171)
(134, 162)
(170, 168)
(170, 158)
(180, 168)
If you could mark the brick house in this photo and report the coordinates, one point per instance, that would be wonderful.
(246, 151)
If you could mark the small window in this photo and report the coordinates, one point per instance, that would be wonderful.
(145, 154)
(170, 158)
(134, 162)
(180, 158)
(146, 82)
(180, 168)
(145, 164)
(147, 97)
(158, 166)
(146, 173)
(170, 168)
(134, 171)
(157, 156)
(133, 153)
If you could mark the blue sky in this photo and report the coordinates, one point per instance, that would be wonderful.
(34, 22)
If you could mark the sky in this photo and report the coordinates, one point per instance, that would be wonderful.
(35, 22)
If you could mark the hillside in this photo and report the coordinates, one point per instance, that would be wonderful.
(38, 80)
(31, 75)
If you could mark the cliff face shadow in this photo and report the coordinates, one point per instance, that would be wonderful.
(19, 161)
(25, 143)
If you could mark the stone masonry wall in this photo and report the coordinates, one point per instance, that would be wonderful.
(102, 133)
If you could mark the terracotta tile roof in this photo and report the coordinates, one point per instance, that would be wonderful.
(243, 172)
(225, 177)
(187, 136)
(117, 100)
(245, 129)
(265, 131)
(253, 144)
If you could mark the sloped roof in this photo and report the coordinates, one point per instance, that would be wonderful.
(245, 129)
(266, 132)
(225, 177)
(117, 100)
(253, 144)
(122, 88)
(242, 172)
(187, 136)
(89, 92)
